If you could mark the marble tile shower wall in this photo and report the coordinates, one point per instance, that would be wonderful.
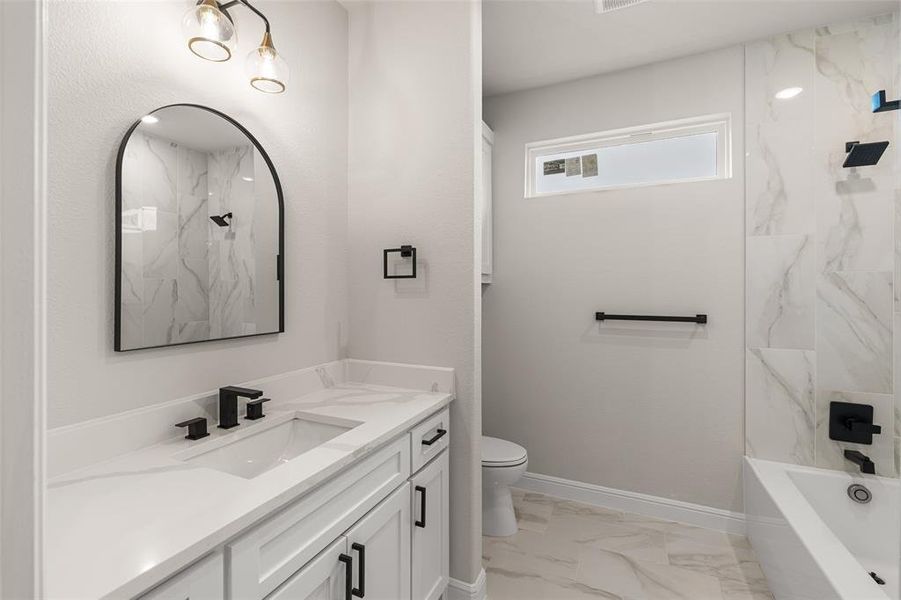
(185, 279)
(821, 250)
(232, 261)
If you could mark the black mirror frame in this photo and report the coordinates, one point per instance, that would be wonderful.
(280, 268)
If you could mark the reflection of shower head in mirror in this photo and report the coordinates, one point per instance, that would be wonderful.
(864, 155)
(223, 220)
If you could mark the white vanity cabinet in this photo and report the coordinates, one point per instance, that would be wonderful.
(323, 578)
(202, 581)
(431, 529)
(380, 547)
(266, 556)
(383, 521)
(373, 557)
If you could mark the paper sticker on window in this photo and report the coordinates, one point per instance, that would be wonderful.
(573, 167)
(554, 167)
(589, 165)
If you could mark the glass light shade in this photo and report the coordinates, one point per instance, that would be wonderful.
(268, 72)
(210, 33)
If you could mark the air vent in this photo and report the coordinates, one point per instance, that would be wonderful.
(605, 6)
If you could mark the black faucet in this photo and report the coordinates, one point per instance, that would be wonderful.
(228, 404)
(866, 465)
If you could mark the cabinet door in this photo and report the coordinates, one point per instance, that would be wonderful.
(204, 580)
(431, 530)
(323, 578)
(380, 546)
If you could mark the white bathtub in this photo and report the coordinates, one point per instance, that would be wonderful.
(813, 541)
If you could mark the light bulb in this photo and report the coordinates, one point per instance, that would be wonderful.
(268, 72)
(210, 32)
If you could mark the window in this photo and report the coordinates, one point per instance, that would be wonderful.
(695, 149)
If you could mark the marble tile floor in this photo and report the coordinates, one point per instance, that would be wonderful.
(570, 551)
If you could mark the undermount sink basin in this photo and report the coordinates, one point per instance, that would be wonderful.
(265, 448)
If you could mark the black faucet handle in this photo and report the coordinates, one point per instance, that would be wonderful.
(255, 409)
(196, 428)
(233, 390)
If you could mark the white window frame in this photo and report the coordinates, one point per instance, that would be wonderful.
(720, 124)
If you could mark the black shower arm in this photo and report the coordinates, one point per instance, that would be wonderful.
(228, 5)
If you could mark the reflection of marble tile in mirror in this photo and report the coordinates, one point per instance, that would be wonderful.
(193, 279)
(160, 246)
(193, 291)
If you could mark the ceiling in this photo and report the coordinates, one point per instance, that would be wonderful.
(531, 43)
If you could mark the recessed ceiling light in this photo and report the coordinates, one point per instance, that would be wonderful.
(247, 178)
(149, 119)
(605, 6)
(788, 93)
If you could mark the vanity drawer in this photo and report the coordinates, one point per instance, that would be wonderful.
(264, 558)
(427, 440)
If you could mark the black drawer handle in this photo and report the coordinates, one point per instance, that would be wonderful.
(348, 575)
(421, 521)
(440, 434)
(361, 549)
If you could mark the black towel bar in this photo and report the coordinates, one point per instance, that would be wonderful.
(700, 319)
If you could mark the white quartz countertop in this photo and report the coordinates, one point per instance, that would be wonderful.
(118, 527)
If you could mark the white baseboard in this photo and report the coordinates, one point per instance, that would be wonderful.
(634, 502)
(460, 590)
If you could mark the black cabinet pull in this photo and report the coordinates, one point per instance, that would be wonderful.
(421, 521)
(348, 575)
(361, 550)
(438, 436)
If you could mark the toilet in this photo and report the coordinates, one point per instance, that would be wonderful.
(503, 463)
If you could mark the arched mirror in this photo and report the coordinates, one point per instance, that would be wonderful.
(199, 232)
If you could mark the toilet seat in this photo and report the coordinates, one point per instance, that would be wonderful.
(501, 453)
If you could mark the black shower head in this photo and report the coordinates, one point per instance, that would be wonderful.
(221, 221)
(864, 155)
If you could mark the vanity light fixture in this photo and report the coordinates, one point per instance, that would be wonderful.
(211, 34)
(789, 93)
(149, 119)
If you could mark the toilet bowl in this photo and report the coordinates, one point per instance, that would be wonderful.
(503, 463)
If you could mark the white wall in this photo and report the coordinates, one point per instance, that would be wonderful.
(651, 408)
(415, 89)
(110, 63)
(22, 293)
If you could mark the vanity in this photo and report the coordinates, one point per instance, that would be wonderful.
(333, 486)
(340, 492)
